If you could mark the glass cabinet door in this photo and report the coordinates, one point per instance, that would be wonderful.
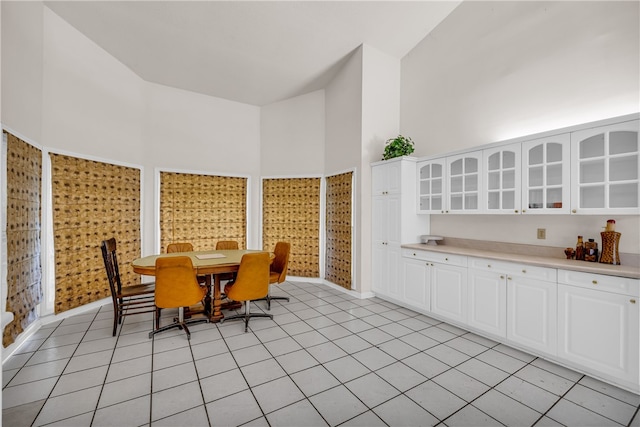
(605, 169)
(431, 186)
(545, 175)
(502, 175)
(464, 183)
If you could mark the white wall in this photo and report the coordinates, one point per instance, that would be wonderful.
(343, 146)
(498, 70)
(380, 121)
(196, 133)
(292, 136)
(91, 103)
(22, 39)
(492, 71)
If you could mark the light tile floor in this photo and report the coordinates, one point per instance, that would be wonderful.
(326, 359)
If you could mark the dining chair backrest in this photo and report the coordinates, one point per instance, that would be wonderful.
(110, 258)
(252, 281)
(227, 245)
(176, 282)
(179, 247)
(130, 299)
(280, 263)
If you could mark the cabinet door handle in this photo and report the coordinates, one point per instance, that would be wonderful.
(516, 210)
(489, 265)
(573, 211)
(595, 282)
(524, 271)
(509, 278)
(502, 277)
(446, 259)
(524, 210)
(632, 301)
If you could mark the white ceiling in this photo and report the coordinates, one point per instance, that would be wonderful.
(255, 52)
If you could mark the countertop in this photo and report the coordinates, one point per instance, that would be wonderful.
(629, 271)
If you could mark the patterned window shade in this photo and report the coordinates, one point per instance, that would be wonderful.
(24, 271)
(338, 229)
(92, 201)
(202, 209)
(291, 213)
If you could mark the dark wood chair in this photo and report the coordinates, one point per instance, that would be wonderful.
(127, 300)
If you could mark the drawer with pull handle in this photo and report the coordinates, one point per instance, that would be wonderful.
(614, 284)
(513, 269)
(439, 257)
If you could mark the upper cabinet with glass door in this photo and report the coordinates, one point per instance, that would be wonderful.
(502, 175)
(432, 186)
(605, 165)
(464, 183)
(545, 175)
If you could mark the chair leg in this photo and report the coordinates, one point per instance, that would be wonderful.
(268, 299)
(179, 323)
(246, 315)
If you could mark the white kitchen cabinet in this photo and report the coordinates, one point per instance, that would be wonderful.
(449, 292)
(502, 179)
(487, 302)
(421, 270)
(515, 301)
(432, 186)
(546, 175)
(394, 221)
(464, 183)
(532, 315)
(416, 278)
(599, 326)
(605, 167)
(386, 178)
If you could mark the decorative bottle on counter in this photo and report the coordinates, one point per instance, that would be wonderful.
(610, 242)
(580, 249)
(591, 251)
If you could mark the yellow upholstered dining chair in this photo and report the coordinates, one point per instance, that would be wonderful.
(223, 245)
(278, 270)
(177, 287)
(179, 247)
(227, 245)
(252, 282)
(127, 300)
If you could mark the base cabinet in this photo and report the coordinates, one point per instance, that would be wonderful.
(487, 302)
(531, 314)
(449, 292)
(416, 278)
(600, 332)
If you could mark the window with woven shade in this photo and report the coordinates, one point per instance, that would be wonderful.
(23, 226)
(291, 213)
(338, 226)
(202, 209)
(92, 201)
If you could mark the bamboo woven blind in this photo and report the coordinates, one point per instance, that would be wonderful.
(24, 271)
(291, 213)
(92, 201)
(202, 209)
(338, 229)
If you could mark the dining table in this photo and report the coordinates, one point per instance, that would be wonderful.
(210, 264)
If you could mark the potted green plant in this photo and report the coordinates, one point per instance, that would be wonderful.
(398, 146)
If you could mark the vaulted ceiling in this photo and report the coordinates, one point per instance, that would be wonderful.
(254, 52)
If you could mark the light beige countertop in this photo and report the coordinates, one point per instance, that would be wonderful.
(532, 255)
